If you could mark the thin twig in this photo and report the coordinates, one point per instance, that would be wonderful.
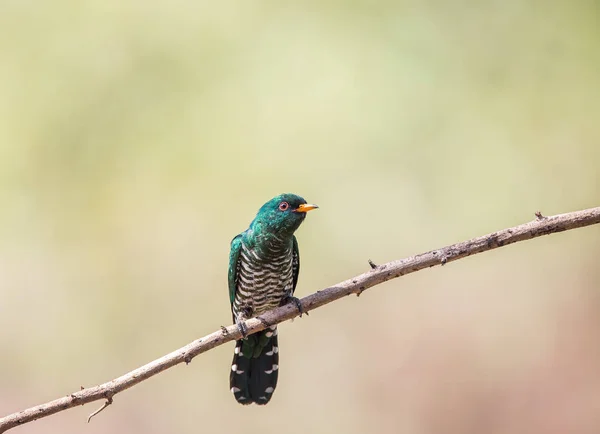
(355, 285)
(108, 402)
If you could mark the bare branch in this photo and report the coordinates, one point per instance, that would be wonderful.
(356, 285)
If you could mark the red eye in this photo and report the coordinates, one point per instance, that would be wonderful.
(283, 206)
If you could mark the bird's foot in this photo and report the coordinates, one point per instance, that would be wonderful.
(241, 325)
(297, 303)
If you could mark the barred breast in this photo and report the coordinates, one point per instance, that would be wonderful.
(264, 279)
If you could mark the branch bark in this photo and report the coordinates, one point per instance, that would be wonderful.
(356, 285)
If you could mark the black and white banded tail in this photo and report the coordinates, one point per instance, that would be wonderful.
(255, 367)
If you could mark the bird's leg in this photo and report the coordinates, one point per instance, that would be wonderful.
(241, 318)
(291, 299)
(241, 325)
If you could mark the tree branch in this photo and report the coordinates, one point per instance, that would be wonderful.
(356, 285)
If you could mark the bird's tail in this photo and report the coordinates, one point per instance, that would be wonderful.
(255, 367)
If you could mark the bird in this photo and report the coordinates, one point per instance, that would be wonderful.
(264, 263)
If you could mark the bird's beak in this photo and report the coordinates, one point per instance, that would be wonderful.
(305, 207)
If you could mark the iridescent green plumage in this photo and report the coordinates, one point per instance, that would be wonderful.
(264, 264)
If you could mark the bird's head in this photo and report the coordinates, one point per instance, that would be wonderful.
(282, 215)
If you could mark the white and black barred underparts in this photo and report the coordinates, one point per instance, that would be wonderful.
(263, 279)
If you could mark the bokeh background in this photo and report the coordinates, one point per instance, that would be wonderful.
(137, 138)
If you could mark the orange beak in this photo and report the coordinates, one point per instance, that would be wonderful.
(305, 207)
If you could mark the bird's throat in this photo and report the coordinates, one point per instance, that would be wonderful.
(269, 244)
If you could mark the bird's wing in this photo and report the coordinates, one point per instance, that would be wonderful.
(295, 263)
(234, 265)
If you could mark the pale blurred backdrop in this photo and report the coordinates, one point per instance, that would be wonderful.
(137, 138)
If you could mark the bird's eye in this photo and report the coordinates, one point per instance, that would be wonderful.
(283, 206)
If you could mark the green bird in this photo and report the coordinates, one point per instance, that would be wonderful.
(263, 271)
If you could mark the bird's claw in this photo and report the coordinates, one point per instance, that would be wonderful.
(241, 325)
(297, 303)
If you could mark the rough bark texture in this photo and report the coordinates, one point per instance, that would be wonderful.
(356, 285)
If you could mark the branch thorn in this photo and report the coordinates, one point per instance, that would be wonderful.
(372, 264)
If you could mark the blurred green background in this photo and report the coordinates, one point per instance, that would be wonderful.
(137, 138)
